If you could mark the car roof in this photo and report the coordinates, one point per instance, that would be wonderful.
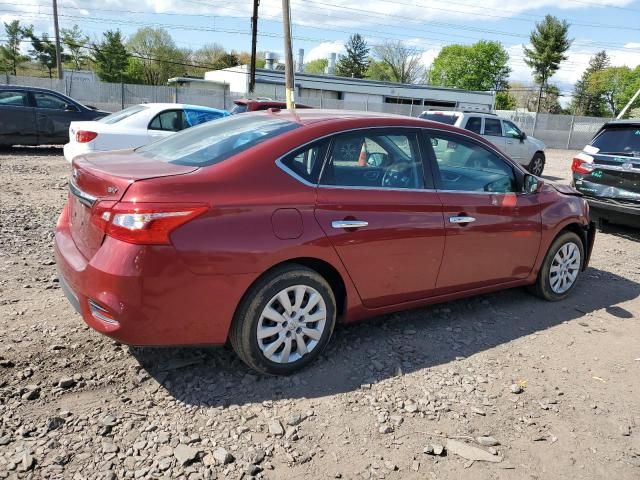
(31, 89)
(633, 122)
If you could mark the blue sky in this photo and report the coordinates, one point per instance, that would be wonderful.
(322, 26)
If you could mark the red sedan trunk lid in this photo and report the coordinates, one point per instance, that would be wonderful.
(105, 177)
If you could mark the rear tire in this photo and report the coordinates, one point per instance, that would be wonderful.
(536, 166)
(284, 321)
(560, 269)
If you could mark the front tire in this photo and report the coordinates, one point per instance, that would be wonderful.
(536, 166)
(561, 268)
(284, 321)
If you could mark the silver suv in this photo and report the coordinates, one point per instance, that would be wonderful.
(504, 134)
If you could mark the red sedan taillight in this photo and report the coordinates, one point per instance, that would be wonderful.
(582, 164)
(85, 136)
(143, 223)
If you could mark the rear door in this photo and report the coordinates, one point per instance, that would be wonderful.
(17, 118)
(54, 114)
(381, 214)
(493, 132)
(492, 231)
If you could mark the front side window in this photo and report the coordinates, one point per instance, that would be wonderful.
(374, 159)
(467, 166)
(474, 124)
(214, 142)
(510, 130)
(169, 121)
(307, 162)
(492, 127)
(44, 100)
(13, 98)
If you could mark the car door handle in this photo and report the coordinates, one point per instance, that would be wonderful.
(461, 219)
(509, 142)
(349, 224)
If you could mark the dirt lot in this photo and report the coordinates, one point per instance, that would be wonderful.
(384, 400)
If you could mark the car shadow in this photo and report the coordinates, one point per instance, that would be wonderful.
(24, 151)
(387, 346)
(622, 231)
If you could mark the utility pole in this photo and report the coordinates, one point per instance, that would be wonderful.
(254, 41)
(624, 110)
(57, 30)
(288, 55)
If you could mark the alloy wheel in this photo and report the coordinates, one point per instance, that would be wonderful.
(291, 324)
(537, 166)
(564, 268)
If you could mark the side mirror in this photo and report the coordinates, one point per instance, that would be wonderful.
(70, 108)
(532, 184)
(523, 137)
(434, 142)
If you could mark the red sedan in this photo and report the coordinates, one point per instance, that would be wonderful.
(265, 229)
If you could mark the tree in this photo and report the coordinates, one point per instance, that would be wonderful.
(10, 56)
(585, 103)
(76, 43)
(110, 57)
(379, 71)
(44, 52)
(354, 64)
(505, 101)
(481, 66)
(615, 86)
(549, 43)
(157, 54)
(317, 66)
(402, 62)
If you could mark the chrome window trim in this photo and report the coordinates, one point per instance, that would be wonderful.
(617, 168)
(84, 198)
(420, 129)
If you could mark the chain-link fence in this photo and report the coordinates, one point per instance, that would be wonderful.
(556, 131)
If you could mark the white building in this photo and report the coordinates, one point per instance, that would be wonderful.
(329, 91)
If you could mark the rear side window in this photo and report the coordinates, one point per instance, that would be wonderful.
(492, 127)
(169, 121)
(619, 141)
(306, 163)
(196, 117)
(213, 142)
(13, 98)
(474, 124)
(122, 114)
(439, 117)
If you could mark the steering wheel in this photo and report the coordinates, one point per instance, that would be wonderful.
(398, 175)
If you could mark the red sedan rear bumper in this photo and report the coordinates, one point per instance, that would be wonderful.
(142, 295)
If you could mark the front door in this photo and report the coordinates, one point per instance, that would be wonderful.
(381, 214)
(492, 230)
(517, 148)
(53, 116)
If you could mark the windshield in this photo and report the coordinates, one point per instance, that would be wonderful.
(213, 142)
(619, 141)
(122, 114)
(239, 108)
(438, 117)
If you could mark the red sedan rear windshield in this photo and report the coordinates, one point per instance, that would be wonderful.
(213, 142)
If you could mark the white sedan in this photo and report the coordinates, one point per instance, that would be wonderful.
(135, 126)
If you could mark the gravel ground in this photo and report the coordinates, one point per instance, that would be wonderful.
(496, 386)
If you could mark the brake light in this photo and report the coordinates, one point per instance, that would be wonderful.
(85, 136)
(582, 164)
(143, 223)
